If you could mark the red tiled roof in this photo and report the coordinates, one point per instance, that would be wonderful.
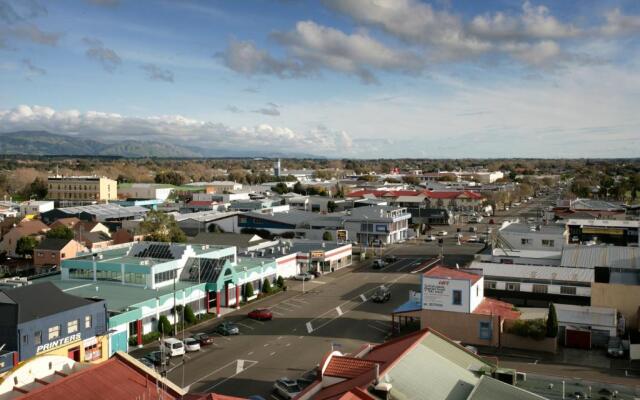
(347, 367)
(452, 194)
(356, 394)
(491, 306)
(452, 273)
(113, 379)
(211, 396)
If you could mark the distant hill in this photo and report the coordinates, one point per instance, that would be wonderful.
(50, 144)
(43, 143)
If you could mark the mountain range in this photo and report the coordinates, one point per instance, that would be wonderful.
(43, 143)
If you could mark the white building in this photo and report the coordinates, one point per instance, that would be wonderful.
(150, 191)
(531, 237)
(445, 289)
(35, 207)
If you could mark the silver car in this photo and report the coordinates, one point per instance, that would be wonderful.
(286, 388)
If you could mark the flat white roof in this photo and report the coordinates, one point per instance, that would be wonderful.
(605, 223)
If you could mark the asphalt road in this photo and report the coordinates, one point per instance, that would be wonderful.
(334, 310)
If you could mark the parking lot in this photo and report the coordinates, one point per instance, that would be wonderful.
(334, 311)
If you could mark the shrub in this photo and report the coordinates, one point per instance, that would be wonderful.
(532, 328)
(552, 322)
(280, 281)
(164, 326)
(266, 286)
(248, 290)
(146, 338)
(189, 315)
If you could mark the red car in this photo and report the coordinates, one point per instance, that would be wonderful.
(261, 314)
(203, 339)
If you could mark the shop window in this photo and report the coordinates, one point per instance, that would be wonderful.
(72, 326)
(490, 284)
(567, 290)
(457, 297)
(513, 286)
(485, 330)
(37, 338)
(548, 243)
(540, 289)
(526, 242)
(92, 353)
(54, 332)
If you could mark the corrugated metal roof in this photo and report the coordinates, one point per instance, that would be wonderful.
(585, 315)
(493, 389)
(612, 223)
(600, 256)
(534, 272)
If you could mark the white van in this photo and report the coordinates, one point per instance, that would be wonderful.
(173, 347)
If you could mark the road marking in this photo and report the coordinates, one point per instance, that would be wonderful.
(339, 311)
(287, 345)
(280, 337)
(284, 308)
(239, 366)
(222, 336)
(277, 313)
(250, 353)
(426, 266)
(293, 305)
(363, 297)
(298, 300)
(378, 328)
(246, 326)
(300, 337)
(265, 345)
(78, 287)
(272, 353)
(223, 367)
(309, 327)
(244, 368)
(317, 282)
(256, 321)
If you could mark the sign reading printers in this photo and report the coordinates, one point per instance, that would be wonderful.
(58, 342)
(436, 293)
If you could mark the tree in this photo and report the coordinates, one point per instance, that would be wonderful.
(280, 188)
(164, 326)
(60, 232)
(161, 227)
(552, 322)
(189, 315)
(248, 290)
(266, 286)
(411, 180)
(280, 281)
(25, 246)
(171, 178)
(327, 236)
(38, 189)
(331, 206)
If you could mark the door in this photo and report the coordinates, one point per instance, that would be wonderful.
(74, 354)
(577, 339)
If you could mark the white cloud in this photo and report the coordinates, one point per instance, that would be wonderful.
(618, 23)
(156, 73)
(245, 58)
(108, 58)
(176, 128)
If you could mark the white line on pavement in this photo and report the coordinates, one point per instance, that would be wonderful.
(265, 345)
(256, 321)
(250, 353)
(251, 364)
(287, 345)
(309, 327)
(293, 305)
(272, 353)
(239, 366)
(246, 326)
(339, 311)
(276, 313)
(363, 297)
(378, 328)
(222, 336)
(317, 282)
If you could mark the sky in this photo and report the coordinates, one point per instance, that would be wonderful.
(332, 78)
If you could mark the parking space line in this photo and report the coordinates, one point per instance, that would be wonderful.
(378, 328)
(276, 313)
(272, 353)
(309, 327)
(222, 336)
(293, 305)
(317, 282)
(298, 300)
(363, 297)
(339, 311)
(284, 308)
(246, 326)
(251, 364)
(256, 321)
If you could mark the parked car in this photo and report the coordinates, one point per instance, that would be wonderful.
(157, 358)
(474, 239)
(491, 221)
(190, 345)
(378, 263)
(442, 233)
(429, 238)
(391, 258)
(261, 314)
(305, 276)
(615, 348)
(473, 220)
(473, 229)
(286, 388)
(381, 295)
(173, 347)
(203, 338)
(227, 328)
(147, 362)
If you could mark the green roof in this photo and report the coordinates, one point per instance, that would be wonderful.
(119, 297)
